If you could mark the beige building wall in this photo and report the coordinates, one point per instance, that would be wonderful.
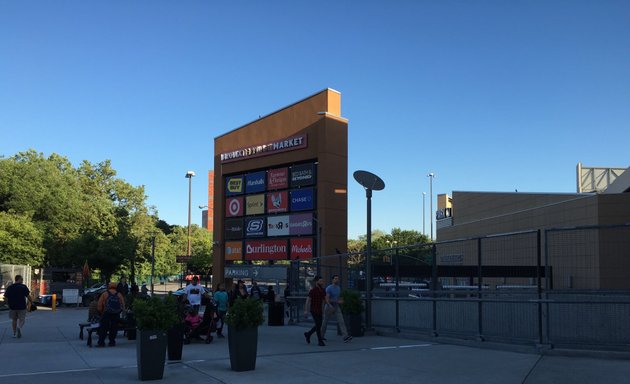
(589, 258)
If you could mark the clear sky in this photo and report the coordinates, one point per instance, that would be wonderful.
(490, 95)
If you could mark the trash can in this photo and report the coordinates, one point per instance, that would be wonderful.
(276, 314)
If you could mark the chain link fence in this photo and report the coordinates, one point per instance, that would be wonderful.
(8, 273)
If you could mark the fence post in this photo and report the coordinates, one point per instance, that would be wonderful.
(396, 272)
(479, 292)
(539, 283)
(434, 284)
(548, 286)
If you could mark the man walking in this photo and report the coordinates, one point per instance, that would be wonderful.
(17, 294)
(333, 300)
(315, 302)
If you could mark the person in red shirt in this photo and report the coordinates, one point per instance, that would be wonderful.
(315, 303)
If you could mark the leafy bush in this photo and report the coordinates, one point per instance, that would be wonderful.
(352, 303)
(155, 313)
(245, 313)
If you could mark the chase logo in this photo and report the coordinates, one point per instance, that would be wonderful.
(302, 199)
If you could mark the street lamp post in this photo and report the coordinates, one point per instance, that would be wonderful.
(431, 176)
(424, 217)
(152, 262)
(370, 182)
(189, 176)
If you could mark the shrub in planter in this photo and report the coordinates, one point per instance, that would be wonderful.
(243, 320)
(154, 316)
(352, 307)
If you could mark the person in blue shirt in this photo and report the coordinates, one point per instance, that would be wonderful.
(221, 298)
(17, 294)
(332, 308)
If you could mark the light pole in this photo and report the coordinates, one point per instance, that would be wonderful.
(424, 217)
(152, 262)
(431, 176)
(189, 176)
(370, 182)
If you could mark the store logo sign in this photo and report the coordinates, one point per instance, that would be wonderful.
(255, 227)
(234, 206)
(234, 185)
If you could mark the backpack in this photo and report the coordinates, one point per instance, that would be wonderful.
(112, 304)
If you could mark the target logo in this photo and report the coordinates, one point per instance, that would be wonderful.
(234, 207)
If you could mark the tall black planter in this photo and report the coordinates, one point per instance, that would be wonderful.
(130, 326)
(175, 337)
(355, 325)
(151, 354)
(243, 345)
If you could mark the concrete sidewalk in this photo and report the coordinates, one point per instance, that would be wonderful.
(50, 351)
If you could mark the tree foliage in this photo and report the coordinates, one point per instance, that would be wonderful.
(397, 238)
(21, 242)
(53, 214)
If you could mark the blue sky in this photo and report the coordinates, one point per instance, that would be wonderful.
(489, 95)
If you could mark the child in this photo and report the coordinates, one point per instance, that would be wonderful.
(193, 319)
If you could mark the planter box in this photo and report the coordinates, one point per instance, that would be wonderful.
(243, 345)
(354, 323)
(175, 343)
(151, 354)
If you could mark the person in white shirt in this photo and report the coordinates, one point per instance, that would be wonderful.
(194, 291)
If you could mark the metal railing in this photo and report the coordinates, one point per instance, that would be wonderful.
(557, 287)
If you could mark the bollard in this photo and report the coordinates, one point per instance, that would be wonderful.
(53, 305)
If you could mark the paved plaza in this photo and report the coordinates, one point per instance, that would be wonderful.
(50, 351)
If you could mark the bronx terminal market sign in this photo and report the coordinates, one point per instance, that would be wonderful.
(256, 272)
(284, 145)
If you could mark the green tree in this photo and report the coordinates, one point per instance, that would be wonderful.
(47, 189)
(21, 242)
(200, 245)
(409, 239)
